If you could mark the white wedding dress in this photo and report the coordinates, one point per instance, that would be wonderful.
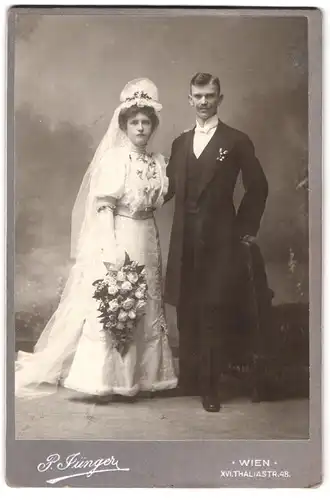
(76, 352)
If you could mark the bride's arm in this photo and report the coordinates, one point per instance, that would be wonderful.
(109, 190)
(105, 207)
(111, 254)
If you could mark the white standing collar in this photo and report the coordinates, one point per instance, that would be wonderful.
(210, 124)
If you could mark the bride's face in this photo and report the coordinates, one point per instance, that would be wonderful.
(139, 129)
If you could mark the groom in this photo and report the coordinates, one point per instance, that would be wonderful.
(203, 271)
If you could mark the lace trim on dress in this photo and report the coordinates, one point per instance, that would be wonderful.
(146, 181)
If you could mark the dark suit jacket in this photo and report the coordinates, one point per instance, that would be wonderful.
(221, 228)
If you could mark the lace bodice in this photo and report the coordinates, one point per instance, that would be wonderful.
(136, 181)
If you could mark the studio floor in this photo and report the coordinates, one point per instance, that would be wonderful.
(65, 416)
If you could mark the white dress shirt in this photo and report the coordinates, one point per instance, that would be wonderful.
(204, 134)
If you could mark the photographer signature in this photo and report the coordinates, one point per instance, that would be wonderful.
(77, 462)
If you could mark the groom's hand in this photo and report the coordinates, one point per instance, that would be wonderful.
(249, 239)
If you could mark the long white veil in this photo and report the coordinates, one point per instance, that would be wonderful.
(39, 373)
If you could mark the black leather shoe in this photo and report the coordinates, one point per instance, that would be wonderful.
(211, 403)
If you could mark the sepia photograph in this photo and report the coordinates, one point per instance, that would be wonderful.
(161, 183)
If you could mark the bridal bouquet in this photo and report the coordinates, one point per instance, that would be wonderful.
(122, 297)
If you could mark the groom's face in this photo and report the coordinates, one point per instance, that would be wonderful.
(205, 99)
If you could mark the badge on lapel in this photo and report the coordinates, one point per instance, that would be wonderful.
(223, 153)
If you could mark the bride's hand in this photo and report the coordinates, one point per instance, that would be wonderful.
(109, 266)
(120, 260)
(116, 263)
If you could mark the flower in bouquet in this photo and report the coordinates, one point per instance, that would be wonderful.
(120, 325)
(128, 303)
(141, 304)
(112, 321)
(132, 314)
(122, 316)
(121, 276)
(113, 306)
(126, 286)
(133, 277)
(130, 324)
(110, 279)
(113, 289)
(140, 293)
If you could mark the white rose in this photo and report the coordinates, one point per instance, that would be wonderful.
(141, 305)
(139, 294)
(122, 316)
(143, 286)
(126, 286)
(113, 306)
(110, 280)
(112, 289)
(120, 326)
(132, 277)
(128, 304)
(132, 314)
(121, 276)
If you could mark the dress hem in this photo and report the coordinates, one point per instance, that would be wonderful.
(126, 391)
(160, 386)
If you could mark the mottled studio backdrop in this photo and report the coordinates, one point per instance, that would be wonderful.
(69, 71)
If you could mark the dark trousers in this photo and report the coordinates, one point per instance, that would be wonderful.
(203, 327)
(202, 351)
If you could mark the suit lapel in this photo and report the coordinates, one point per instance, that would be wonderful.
(209, 157)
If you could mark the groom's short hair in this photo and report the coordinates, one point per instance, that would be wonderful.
(201, 79)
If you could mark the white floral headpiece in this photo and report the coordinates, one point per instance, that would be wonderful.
(140, 92)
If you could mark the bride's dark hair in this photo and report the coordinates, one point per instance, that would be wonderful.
(128, 113)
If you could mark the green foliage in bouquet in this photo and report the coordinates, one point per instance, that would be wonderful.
(122, 298)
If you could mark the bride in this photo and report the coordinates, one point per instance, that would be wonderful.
(113, 214)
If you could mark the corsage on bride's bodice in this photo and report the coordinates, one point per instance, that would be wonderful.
(132, 181)
(145, 182)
